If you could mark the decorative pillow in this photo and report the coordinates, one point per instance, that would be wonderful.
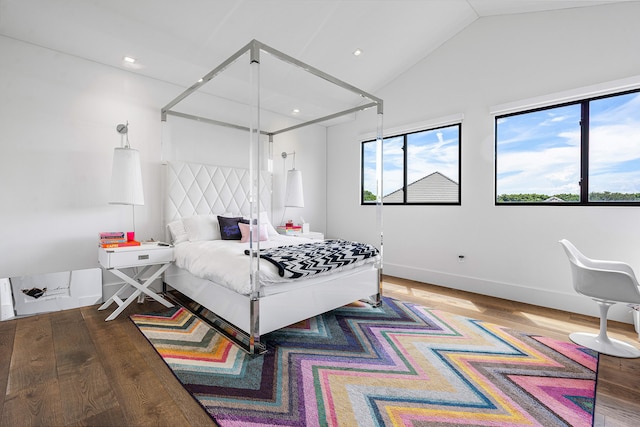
(229, 229)
(202, 227)
(178, 232)
(264, 220)
(245, 230)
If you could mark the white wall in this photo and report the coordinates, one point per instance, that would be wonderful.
(58, 120)
(58, 116)
(510, 252)
(309, 144)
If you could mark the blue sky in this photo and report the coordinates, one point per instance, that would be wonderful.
(539, 152)
(429, 151)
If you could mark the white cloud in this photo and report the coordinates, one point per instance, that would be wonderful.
(556, 169)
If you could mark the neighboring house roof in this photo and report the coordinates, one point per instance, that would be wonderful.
(554, 199)
(432, 188)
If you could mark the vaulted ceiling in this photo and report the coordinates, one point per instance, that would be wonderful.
(180, 41)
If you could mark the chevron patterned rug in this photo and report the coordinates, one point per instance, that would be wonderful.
(397, 365)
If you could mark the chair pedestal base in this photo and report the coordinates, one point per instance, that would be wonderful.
(609, 346)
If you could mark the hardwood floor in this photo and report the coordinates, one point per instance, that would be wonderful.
(71, 368)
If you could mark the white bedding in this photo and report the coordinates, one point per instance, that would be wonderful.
(224, 261)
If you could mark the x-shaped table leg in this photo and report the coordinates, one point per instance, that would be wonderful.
(140, 288)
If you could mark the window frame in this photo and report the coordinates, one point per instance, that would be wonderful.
(583, 179)
(405, 136)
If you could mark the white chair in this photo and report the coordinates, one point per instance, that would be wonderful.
(607, 283)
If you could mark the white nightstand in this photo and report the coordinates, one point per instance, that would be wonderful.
(145, 256)
(312, 235)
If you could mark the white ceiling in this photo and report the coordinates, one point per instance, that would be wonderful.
(180, 41)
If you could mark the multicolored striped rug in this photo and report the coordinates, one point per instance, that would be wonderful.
(397, 365)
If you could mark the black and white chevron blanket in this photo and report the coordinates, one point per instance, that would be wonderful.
(318, 257)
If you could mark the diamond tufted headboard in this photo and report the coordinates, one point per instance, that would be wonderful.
(197, 189)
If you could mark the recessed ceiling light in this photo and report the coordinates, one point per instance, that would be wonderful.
(295, 111)
(129, 59)
(357, 52)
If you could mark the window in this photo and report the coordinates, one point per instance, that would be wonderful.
(581, 153)
(418, 168)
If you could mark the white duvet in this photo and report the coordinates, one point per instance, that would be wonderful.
(224, 261)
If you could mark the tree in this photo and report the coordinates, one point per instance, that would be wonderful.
(522, 198)
(368, 196)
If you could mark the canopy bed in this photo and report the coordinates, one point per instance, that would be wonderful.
(263, 281)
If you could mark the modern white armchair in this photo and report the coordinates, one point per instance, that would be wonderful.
(607, 283)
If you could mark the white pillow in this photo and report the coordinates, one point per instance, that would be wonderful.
(202, 227)
(246, 232)
(264, 220)
(178, 232)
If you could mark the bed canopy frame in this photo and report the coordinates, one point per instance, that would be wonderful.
(259, 156)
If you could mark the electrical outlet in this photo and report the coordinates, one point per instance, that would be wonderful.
(460, 258)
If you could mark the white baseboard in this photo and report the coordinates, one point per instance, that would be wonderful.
(6, 300)
(566, 301)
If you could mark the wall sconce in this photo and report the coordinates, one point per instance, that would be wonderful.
(126, 175)
(293, 195)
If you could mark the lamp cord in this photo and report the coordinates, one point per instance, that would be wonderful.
(127, 136)
(284, 212)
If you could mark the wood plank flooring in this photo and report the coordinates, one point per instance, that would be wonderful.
(72, 368)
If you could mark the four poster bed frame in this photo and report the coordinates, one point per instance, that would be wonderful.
(245, 318)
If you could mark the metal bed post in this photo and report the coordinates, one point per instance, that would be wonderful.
(254, 195)
(379, 168)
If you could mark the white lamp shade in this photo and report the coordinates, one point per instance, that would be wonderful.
(293, 196)
(126, 178)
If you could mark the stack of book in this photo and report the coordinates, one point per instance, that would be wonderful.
(291, 230)
(115, 239)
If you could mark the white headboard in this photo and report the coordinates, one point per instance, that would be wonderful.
(197, 189)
